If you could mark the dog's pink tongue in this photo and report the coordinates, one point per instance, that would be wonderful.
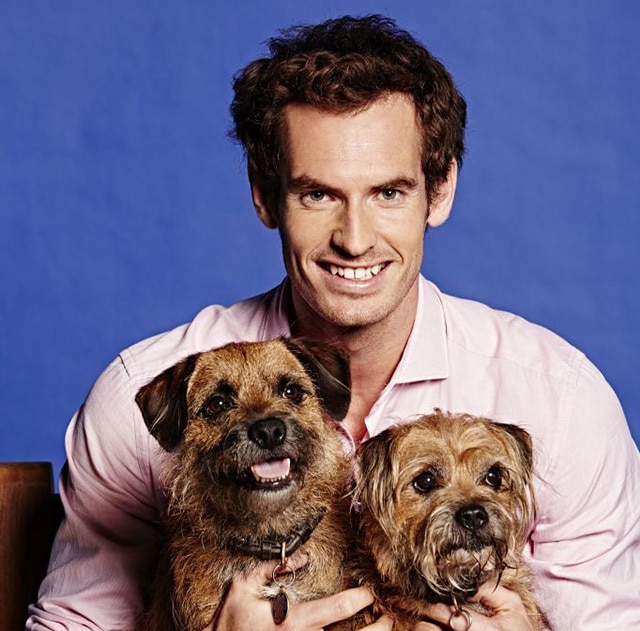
(272, 469)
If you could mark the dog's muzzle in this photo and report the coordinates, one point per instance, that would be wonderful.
(266, 456)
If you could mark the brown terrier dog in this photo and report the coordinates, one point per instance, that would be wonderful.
(445, 504)
(258, 473)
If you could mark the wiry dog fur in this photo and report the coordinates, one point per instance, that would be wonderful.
(233, 416)
(445, 505)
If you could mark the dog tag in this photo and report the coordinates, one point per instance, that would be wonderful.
(279, 607)
(280, 602)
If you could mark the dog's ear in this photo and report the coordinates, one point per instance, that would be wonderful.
(328, 366)
(376, 485)
(524, 444)
(525, 506)
(163, 403)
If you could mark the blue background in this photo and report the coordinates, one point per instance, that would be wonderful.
(124, 208)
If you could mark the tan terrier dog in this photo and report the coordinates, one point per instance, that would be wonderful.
(445, 505)
(258, 473)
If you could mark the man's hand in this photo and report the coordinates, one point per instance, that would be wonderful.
(509, 613)
(245, 608)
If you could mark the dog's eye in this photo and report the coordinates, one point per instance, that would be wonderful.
(425, 482)
(293, 392)
(493, 478)
(216, 404)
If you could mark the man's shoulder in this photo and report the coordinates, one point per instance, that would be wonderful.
(477, 328)
(255, 318)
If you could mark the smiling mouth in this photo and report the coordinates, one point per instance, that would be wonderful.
(356, 273)
(271, 475)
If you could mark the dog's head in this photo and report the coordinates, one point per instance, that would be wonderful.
(247, 423)
(445, 502)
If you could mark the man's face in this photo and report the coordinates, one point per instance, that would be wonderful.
(353, 211)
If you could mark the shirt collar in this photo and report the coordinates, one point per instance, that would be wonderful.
(276, 322)
(425, 356)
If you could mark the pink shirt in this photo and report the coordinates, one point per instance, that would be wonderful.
(462, 357)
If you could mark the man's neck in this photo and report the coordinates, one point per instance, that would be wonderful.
(374, 353)
(372, 365)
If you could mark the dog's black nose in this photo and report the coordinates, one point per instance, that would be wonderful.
(268, 433)
(472, 517)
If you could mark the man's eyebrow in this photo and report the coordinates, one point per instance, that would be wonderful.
(399, 183)
(307, 183)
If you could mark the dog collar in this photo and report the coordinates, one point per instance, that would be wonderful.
(268, 550)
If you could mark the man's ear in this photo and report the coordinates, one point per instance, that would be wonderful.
(263, 203)
(440, 205)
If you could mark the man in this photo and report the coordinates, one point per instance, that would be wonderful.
(354, 138)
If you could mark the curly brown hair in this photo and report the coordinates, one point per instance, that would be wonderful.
(343, 65)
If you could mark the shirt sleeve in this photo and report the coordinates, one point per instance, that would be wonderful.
(103, 553)
(585, 548)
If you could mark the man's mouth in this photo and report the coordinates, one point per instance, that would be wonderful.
(272, 474)
(356, 273)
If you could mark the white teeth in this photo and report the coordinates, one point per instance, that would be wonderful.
(272, 471)
(357, 273)
(268, 480)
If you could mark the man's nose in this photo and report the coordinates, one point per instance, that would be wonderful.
(355, 230)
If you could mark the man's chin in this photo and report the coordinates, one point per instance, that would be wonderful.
(341, 308)
(345, 314)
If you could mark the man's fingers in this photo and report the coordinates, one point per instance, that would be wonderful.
(340, 606)
(508, 612)
(505, 605)
(426, 626)
(311, 615)
(438, 613)
(497, 598)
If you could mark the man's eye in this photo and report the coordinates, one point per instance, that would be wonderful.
(293, 392)
(315, 196)
(216, 404)
(389, 194)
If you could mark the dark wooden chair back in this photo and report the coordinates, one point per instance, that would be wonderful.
(30, 514)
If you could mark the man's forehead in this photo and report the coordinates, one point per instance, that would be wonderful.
(299, 111)
(375, 138)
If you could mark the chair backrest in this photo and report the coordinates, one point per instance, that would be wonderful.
(29, 516)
